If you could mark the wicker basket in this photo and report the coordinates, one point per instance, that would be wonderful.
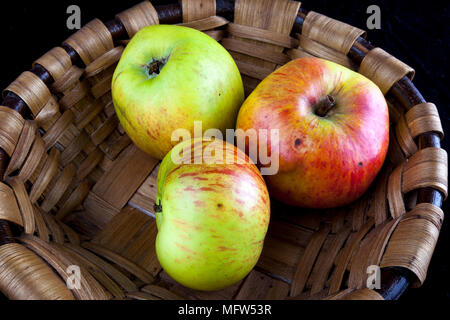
(76, 191)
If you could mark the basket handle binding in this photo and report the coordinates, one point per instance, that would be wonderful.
(395, 280)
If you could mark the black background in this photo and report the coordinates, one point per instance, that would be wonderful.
(416, 33)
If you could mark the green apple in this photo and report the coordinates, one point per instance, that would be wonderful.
(167, 78)
(212, 218)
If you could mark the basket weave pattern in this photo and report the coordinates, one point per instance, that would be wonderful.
(83, 194)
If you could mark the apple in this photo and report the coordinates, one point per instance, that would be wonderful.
(212, 218)
(169, 76)
(333, 130)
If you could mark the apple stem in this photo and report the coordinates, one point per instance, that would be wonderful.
(324, 106)
(157, 207)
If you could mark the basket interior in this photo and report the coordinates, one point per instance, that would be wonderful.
(88, 192)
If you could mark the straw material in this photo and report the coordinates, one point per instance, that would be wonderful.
(60, 260)
(138, 17)
(120, 278)
(109, 284)
(298, 53)
(317, 49)
(423, 118)
(343, 259)
(269, 22)
(30, 89)
(55, 131)
(83, 193)
(361, 294)
(48, 114)
(161, 292)
(91, 41)
(325, 260)
(43, 231)
(47, 173)
(262, 35)
(8, 205)
(104, 62)
(262, 287)
(332, 33)
(404, 138)
(75, 199)
(25, 205)
(24, 276)
(378, 207)
(427, 168)
(370, 253)
(23, 146)
(395, 196)
(11, 124)
(132, 234)
(55, 61)
(217, 35)
(384, 69)
(54, 228)
(206, 23)
(197, 9)
(68, 80)
(127, 265)
(118, 185)
(395, 153)
(255, 50)
(305, 263)
(414, 240)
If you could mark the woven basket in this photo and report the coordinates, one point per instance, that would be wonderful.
(76, 191)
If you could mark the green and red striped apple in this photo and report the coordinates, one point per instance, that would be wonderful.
(212, 217)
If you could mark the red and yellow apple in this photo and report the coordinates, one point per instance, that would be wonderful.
(212, 215)
(333, 130)
(167, 78)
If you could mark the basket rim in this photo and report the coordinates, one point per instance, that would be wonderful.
(395, 280)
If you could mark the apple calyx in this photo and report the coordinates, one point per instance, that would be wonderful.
(324, 106)
(154, 67)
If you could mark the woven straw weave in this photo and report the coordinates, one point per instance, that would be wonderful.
(83, 194)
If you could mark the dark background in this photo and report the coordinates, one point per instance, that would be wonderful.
(416, 33)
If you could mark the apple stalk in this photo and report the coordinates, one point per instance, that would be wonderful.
(324, 106)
